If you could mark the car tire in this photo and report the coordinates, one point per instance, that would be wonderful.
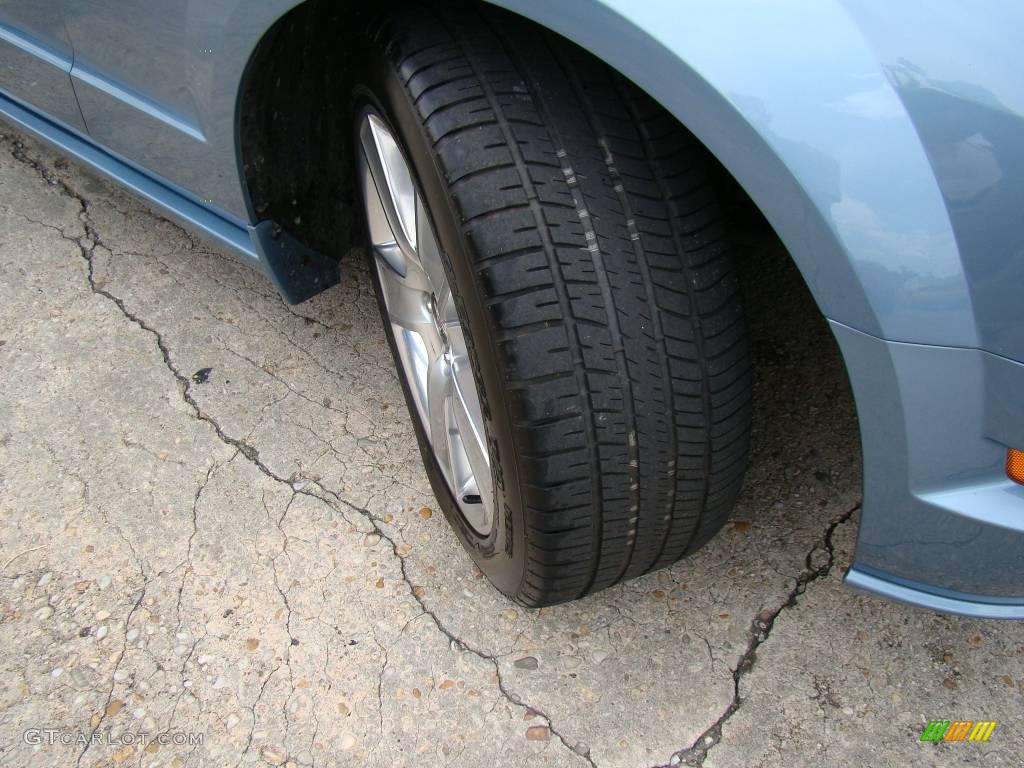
(592, 285)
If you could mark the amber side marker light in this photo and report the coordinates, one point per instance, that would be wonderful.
(1015, 465)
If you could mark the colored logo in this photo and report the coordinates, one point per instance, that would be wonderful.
(958, 730)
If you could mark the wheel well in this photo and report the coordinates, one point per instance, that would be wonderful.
(296, 153)
(294, 131)
(294, 125)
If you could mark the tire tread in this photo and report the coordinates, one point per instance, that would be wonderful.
(594, 232)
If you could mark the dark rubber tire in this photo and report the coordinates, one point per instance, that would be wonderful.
(587, 255)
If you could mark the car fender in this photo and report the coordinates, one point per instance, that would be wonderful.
(791, 98)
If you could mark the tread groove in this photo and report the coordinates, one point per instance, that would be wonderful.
(538, 215)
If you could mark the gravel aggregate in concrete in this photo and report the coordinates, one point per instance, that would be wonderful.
(213, 520)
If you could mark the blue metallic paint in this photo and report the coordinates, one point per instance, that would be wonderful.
(175, 202)
(35, 59)
(937, 600)
(884, 145)
(898, 196)
(150, 92)
(939, 515)
(808, 122)
(954, 67)
(297, 272)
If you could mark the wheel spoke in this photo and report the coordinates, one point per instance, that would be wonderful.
(393, 180)
(466, 410)
(390, 195)
(439, 384)
(429, 253)
(408, 307)
(379, 227)
(448, 316)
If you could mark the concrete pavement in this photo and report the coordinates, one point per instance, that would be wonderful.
(213, 521)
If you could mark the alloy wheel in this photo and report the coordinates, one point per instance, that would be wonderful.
(429, 336)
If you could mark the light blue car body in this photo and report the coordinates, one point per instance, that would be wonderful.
(883, 142)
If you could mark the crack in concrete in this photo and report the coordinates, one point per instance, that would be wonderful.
(292, 640)
(759, 632)
(252, 711)
(195, 530)
(380, 692)
(113, 676)
(455, 640)
(87, 244)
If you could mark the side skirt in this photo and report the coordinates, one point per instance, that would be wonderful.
(298, 272)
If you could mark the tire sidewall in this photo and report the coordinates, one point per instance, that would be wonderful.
(501, 554)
